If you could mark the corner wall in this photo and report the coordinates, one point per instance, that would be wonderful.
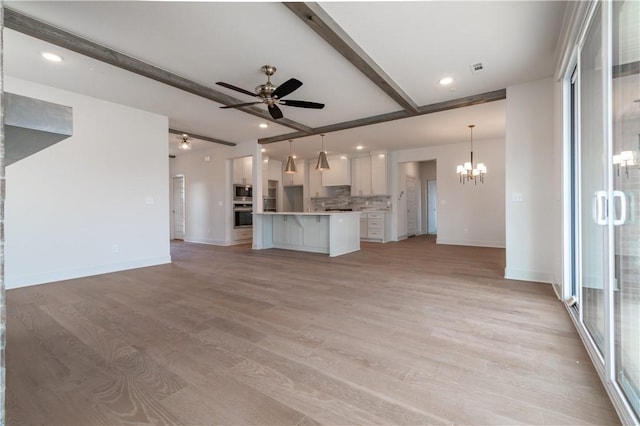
(94, 203)
(531, 196)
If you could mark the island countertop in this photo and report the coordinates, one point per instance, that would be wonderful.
(307, 213)
(333, 233)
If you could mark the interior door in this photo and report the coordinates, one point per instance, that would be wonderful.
(412, 207)
(593, 195)
(432, 207)
(177, 211)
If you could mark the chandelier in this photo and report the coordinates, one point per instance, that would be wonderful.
(184, 145)
(468, 171)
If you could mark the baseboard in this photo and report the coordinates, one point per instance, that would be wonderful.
(480, 243)
(524, 275)
(207, 241)
(69, 274)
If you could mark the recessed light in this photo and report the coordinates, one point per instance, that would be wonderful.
(359, 147)
(343, 157)
(263, 125)
(446, 80)
(51, 57)
(295, 156)
(263, 150)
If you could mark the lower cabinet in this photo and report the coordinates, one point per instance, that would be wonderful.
(242, 235)
(374, 226)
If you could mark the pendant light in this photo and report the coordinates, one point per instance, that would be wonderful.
(290, 168)
(322, 163)
(468, 171)
(184, 145)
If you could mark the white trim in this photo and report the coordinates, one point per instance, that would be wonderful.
(524, 275)
(622, 407)
(68, 274)
(208, 241)
(573, 24)
(472, 243)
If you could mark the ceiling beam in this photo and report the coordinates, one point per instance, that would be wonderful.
(467, 101)
(204, 138)
(43, 31)
(320, 21)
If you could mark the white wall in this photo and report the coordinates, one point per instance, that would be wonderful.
(205, 212)
(467, 214)
(208, 190)
(531, 224)
(96, 202)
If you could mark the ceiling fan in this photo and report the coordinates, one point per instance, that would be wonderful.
(272, 95)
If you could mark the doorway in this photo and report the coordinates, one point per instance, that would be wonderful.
(177, 208)
(412, 207)
(432, 207)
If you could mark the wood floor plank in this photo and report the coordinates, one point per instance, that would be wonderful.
(408, 332)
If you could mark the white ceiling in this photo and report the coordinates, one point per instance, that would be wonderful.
(415, 43)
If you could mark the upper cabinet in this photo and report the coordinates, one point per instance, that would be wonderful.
(297, 178)
(243, 170)
(275, 170)
(370, 175)
(339, 173)
(315, 181)
(361, 184)
(379, 173)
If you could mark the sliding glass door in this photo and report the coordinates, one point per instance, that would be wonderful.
(592, 168)
(605, 101)
(626, 193)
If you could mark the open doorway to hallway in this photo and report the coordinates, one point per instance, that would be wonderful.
(177, 207)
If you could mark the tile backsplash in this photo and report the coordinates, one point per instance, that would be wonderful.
(339, 197)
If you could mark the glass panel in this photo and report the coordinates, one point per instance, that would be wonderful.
(626, 140)
(593, 196)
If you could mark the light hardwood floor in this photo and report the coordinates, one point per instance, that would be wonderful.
(398, 333)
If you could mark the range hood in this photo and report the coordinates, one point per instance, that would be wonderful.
(31, 125)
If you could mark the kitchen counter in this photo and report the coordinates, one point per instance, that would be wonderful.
(333, 233)
(309, 213)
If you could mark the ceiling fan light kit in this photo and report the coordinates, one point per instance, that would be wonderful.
(272, 95)
(468, 171)
(322, 163)
(184, 144)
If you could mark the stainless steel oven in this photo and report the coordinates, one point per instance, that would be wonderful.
(242, 215)
(242, 193)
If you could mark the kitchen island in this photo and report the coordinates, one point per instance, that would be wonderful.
(333, 233)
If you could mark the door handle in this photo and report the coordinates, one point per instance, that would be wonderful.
(599, 207)
(623, 208)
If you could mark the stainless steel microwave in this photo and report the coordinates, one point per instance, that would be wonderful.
(242, 193)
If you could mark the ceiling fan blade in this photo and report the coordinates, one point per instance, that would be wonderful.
(237, 89)
(301, 104)
(285, 88)
(275, 112)
(240, 105)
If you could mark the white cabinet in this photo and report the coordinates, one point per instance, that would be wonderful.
(297, 178)
(339, 173)
(379, 173)
(316, 231)
(275, 170)
(315, 181)
(369, 175)
(374, 226)
(361, 184)
(243, 170)
(243, 235)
